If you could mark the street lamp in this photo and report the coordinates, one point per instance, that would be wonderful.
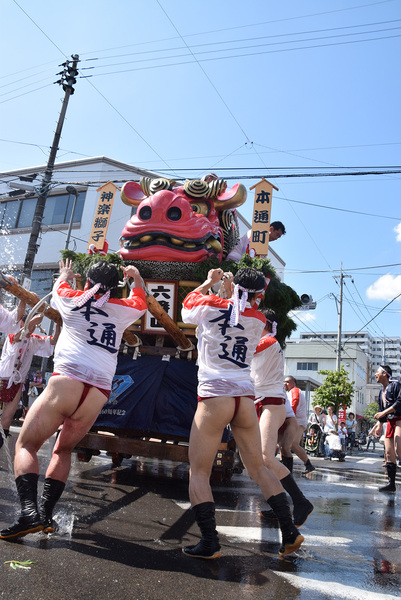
(71, 190)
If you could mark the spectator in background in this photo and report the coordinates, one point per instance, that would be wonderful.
(371, 439)
(342, 434)
(351, 431)
(36, 387)
(389, 412)
(330, 421)
(317, 417)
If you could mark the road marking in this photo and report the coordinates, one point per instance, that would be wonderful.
(332, 589)
(265, 534)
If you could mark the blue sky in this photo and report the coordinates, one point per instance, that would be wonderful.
(254, 86)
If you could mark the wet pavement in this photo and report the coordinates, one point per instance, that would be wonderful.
(121, 532)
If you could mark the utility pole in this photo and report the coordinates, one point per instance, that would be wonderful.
(340, 317)
(67, 80)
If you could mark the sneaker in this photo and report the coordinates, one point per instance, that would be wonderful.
(309, 468)
(291, 543)
(302, 512)
(22, 527)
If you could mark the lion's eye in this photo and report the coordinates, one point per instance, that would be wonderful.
(174, 213)
(145, 213)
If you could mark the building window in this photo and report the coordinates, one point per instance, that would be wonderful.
(17, 214)
(307, 366)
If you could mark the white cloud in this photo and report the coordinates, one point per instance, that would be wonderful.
(397, 229)
(306, 316)
(386, 287)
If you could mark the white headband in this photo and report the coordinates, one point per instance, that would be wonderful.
(274, 327)
(88, 294)
(240, 303)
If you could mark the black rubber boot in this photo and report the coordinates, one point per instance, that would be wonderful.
(52, 491)
(391, 473)
(29, 520)
(269, 515)
(288, 461)
(291, 538)
(209, 546)
(309, 467)
(302, 506)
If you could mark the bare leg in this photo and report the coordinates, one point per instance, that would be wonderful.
(56, 405)
(270, 421)
(397, 440)
(9, 410)
(389, 450)
(211, 416)
(296, 447)
(247, 435)
(289, 436)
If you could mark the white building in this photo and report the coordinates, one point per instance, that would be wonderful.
(17, 209)
(304, 358)
(386, 350)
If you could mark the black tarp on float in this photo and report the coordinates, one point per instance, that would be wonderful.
(152, 394)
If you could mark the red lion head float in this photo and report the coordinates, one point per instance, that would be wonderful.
(182, 224)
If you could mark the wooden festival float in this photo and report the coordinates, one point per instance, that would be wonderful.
(178, 232)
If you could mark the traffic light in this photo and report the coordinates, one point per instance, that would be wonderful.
(307, 302)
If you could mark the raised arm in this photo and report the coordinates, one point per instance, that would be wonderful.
(213, 277)
(132, 273)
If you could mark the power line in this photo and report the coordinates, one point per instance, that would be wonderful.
(23, 79)
(253, 39)
(373, 318)
(245, 26)
(344, 270)
(353, 305)
(27, 69)
(25, 93)
(319, 338)
(40, 146)
(22, 87)
(40, 29)
(94, 87)
(336, 208)
(205, 74)
(201, 60)
(364, 304)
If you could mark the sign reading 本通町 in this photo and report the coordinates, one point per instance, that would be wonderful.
(259, 241)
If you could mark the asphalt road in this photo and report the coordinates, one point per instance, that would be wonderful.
(121, 532)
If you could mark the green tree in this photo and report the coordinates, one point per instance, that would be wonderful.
(81, 261)
(370, 411)
(336, 390)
